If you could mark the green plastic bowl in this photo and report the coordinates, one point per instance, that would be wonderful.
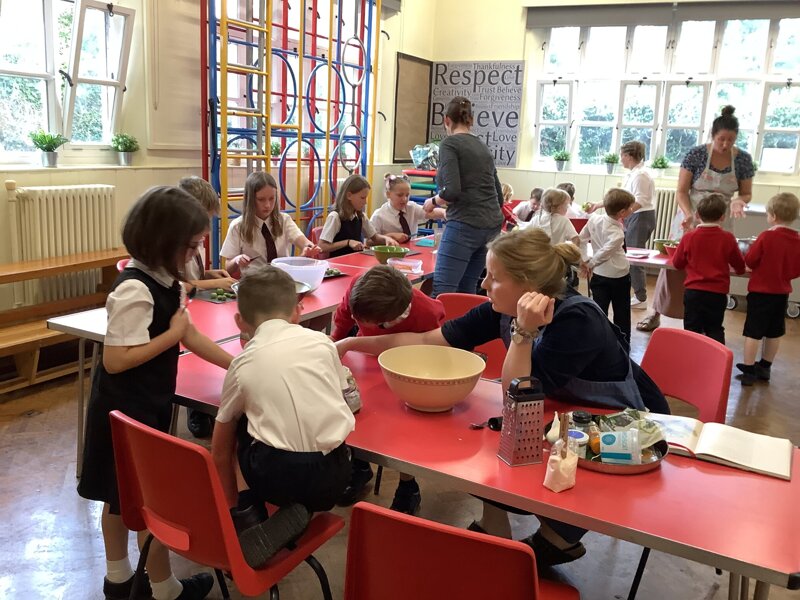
(384, 253)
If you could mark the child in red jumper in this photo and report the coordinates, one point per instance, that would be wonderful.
(707, 253)
(383, 301)
(775, 260)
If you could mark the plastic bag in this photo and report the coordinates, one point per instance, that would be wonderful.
(560, 473)
(425, 156)
(630, 418)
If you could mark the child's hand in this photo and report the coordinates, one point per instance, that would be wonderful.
(180, 322)
(355, 245)
(389, 241)
(226, 283)
(589, 208)
(343, 346)
(311, 251)
(585, 271)
(399, 237)
(241, 261)
(534, 310)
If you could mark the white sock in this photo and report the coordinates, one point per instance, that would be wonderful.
(119, 571)
(169, 589)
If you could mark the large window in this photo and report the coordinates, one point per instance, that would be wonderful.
(663, 84)
(62, 69)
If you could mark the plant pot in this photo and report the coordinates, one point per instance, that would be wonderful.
(610, 168)
(50, 159)
(560, 165)
(659, 172)
(125, 158)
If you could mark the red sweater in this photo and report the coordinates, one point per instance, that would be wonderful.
(426, 314)
(775, 260)
(706, 253)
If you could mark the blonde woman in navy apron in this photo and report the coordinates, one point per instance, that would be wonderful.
(718, 167)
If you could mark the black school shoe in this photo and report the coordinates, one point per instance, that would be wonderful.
(122, 591)
(548, 555)
(748, 374)
(407, 498)
(196, 587)
(357, 488)
(263, 541)
(762, 372)
(200, 424)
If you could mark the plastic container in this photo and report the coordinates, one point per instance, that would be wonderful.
(581, 420)
(303, 270)
(406, 265)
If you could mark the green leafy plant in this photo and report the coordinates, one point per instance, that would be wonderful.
(275, 149)
(47, 142)
(660, 162)
(611, 158)
(755, 166)
(124, 142)
(562, 155)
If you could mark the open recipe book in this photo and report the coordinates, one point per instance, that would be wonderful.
(727, 445)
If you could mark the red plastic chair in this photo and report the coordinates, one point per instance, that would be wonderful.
(429, 561)
(171, 487)
(316, 232)
(692, 368)
(578, 223)
(122, 263)
(456, 305)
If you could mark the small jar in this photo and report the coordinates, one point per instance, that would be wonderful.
(581, 420)
(351, 395)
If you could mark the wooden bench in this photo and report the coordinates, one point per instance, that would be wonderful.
(24, 332)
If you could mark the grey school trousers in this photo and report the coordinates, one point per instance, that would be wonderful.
(638, 229)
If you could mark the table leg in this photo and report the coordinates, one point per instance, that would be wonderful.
(173, 422)
(745, 593)
(762, 591)
(81, 400)
(734, 587)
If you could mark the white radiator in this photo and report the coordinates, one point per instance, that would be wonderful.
(57, 221)
(666, 207)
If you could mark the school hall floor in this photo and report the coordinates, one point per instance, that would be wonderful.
(50, 544)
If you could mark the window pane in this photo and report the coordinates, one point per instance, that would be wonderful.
(638, 134)
(22, 35)
(649, 47)
(783, 107)
(745, 140)
(555, 102)
(745, 96)
(744, 46)
(605, 52)
(693, 54)
(64, 13)
(101, 46)
(552, 139)
(593, 143)
(779, 151)
(679, 142)
(786, 56)
(685, 105)
(639, 104)
(93, 107)
(598, 100)
(562, 51)
(23, 108)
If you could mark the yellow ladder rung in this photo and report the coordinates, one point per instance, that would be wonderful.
(247, 156)
(245, 25)
(248, 114)
(231, 68)
(284, 126)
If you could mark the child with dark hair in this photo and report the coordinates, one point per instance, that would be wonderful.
(147, 321)
(383, 301)
(283, 415)
(608, 267)
(775, 260)
(526, 209)
(707, 253)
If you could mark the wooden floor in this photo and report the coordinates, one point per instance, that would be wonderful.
(51, 548)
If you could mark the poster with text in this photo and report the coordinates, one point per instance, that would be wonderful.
(495, 90)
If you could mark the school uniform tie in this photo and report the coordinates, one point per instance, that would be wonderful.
(272, 251)
(404, 224)
(201, 268)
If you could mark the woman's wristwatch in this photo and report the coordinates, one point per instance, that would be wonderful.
(519, 335)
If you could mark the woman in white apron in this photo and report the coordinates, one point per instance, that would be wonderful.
(718, 167)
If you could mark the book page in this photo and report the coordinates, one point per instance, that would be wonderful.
(681, 433)
(753, 451)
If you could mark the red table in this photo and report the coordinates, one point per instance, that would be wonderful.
(734, 520)
(367, 261)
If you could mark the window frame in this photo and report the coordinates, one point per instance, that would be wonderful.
(568, 123)
(664, 127)
(79, 21)
(622, 124)
(764, 130)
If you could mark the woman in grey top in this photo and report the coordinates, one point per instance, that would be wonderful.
(469, 188)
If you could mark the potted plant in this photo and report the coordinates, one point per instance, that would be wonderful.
(661, 164)
(275, 149)
(561, 157)
(611, 159)
(125, 145)
(48, 143)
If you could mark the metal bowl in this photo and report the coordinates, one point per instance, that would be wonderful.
(660, 450)
(745, 243)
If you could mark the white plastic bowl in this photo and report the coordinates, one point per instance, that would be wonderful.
(305, 270)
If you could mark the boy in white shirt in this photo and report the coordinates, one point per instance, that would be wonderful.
(552, 220)
(608, 268)
(282, 405)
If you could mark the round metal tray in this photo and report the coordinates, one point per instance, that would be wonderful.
(661, 450)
